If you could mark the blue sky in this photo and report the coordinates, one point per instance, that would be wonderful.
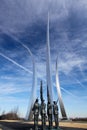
(25, 21)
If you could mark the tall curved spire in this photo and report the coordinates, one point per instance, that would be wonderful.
(48, 65)
(29, 114)
(63, 112)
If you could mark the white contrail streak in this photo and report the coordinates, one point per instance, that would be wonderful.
(28, 51)
(66, 91)
(71, 50)
(78, 97)
(14, 62)
(80, 83)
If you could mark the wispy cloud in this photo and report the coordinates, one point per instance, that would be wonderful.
(70, 61)
(9, 88)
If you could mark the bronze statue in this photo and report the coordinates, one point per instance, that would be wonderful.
(55, 112)
(36, 114)
(49, 113)
(43, 107)
(43, 114)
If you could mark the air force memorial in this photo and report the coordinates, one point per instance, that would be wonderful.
(47, 112)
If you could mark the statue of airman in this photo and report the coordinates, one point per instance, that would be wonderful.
(43, 114)
(36, 114)
(49, 113)
(55, 112)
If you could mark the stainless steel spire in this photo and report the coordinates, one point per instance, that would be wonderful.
(48, 66)
(63, 112)
(29, 114)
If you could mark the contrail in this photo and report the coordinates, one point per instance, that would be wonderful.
(66, 91)
(69, 92)
(82, 97)
(14, 62)
(28, 51)
(80, 83)
(71, 50)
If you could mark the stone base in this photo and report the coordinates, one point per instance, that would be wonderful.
(49, 128)
(54, 129)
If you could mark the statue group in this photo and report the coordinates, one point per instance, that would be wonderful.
(40, 109)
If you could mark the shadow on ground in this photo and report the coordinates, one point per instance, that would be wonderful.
(25, 126)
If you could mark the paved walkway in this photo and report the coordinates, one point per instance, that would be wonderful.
(20, 125)
(4, 128)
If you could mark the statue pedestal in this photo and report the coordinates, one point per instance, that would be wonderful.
(54, 129)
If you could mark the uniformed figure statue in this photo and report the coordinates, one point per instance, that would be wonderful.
(43, 114)
(49, 113)
(36, 114)
(55, 112)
